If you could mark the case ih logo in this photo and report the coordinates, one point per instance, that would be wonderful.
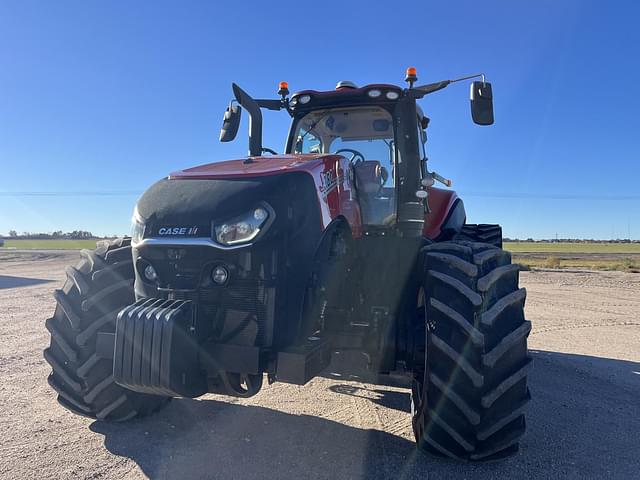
(329, 181)
(183, 231)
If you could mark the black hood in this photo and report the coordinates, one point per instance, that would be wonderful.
(198, 202)
(268, 278)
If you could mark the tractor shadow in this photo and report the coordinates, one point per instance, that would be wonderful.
(400, 401)
(583, 422)
(350, 369)
(7, 281)
(215, 439)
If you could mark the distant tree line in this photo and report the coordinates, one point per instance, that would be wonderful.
(85, 235)
(75, 235)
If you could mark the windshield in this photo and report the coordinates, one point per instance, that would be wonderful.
(367, 130)
(365, 136)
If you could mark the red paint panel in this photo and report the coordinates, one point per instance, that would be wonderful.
(257, 167)
(440, 203)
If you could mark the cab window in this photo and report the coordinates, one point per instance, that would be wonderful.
(365, 136)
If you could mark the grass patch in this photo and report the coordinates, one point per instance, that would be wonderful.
(553, 261)
(49, 244)
(537, 247)
(623, 257)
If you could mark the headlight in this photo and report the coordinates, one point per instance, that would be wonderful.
(243, 228)
(137, 228)
(220, 275)
(150, 273)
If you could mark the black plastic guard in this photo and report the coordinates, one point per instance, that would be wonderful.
(301, 363)
(156, 349)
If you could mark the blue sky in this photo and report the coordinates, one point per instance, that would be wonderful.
(110, 96)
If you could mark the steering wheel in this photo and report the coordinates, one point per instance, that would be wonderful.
(356, 156)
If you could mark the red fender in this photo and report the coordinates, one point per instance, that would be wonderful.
(440, 204)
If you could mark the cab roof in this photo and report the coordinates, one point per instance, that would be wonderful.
(345, 96)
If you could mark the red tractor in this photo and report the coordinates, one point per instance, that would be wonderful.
(268, 264)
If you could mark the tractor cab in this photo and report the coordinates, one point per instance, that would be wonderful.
(364, 134)
(378, 128)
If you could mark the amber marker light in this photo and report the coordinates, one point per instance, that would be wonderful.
(412, 76)
(283, 89)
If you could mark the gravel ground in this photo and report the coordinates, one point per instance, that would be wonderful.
(584, 420)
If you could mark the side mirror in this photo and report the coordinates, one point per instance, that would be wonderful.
(230, 122)
(481, 103)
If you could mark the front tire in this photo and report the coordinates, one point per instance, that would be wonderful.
(470, 370)
(97, 288)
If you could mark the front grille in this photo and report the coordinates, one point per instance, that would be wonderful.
(236, 313)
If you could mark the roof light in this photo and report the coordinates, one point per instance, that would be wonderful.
(304, 99)
(392, 95)
(283, 89)
(412, 76)
(375, 93)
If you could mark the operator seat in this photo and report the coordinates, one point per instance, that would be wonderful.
(370, 177)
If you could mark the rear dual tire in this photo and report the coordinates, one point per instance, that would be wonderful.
(97, 288)
(469, 389)
(480, 232)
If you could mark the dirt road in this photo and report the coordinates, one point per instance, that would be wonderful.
(584, 420)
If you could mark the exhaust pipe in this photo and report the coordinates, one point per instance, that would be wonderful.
(255, 120)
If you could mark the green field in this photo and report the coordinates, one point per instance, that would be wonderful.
(604, 248)
(49, 244)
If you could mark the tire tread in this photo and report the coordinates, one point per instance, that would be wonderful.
(86, 305)
(476, 351)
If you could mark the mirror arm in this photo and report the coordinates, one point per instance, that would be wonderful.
(282, 104)
(270, 104)
(421, 91)
(468, 77)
